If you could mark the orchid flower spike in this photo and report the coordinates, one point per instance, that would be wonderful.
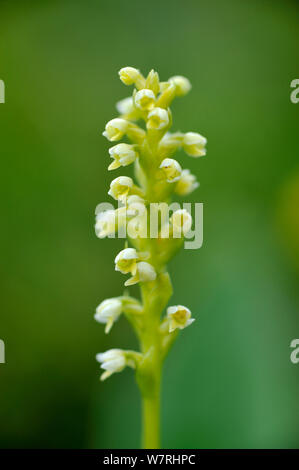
(143, 139)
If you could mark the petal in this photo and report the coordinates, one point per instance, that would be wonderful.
(105, 375)
(133, 280)
(114, 165)
(109, 325)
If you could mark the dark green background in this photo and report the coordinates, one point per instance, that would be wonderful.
(229, 381)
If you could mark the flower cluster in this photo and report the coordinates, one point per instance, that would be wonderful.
(150, 148)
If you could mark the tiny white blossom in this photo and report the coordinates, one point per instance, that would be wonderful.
(157, 119)
(105, 223)
(108, 312)
(172, 169)
(181, 222)
(169, 144)
(144, 273)
(125, 106)
(129, 75)
(182, 85)
(113, 360)
(123, 155)
(145, 99)
(186, 184)
(115, 129)
(126, 261)
(120, 188)
(194, 144)
(179, 317)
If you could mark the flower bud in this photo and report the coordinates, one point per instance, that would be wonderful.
(171, 169)
(120, 188)
(108, 312)
(144, 273)
(182, 85)
(194, 144)
(157, 119)
(179, 317)
(145, 99)
(186, 184)
(123, 155)
(115, 129)
(181, 222)
(152, 82)
(131, 76)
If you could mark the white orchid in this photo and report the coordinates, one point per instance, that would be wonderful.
(108, 312)
(123, 155)
(172, 169)
(144, 272)
(186, 183)
(179, 317)
(194, 144)
(157, 119)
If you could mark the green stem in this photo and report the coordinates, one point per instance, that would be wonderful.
(151, 419)
(155, 296)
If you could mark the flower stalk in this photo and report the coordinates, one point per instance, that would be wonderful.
(158, 176)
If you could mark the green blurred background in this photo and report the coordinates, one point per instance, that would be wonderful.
(229, 381)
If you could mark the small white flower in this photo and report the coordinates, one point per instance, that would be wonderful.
(157, 119)
(126, 261)
(145, 99)
(129, 75)
(182, 85)
(125, 106)
(108, 312)
(123, 155)
(179, 317)
(169, 144)
(120, 188)
(105, 223)
(144, 273)
(170, 139)
(181, 222)
(172, 169)
(194, 144)
(113, 360)
(186, 184)
(115, 129)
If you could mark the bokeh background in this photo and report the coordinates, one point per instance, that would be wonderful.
(229, 381)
